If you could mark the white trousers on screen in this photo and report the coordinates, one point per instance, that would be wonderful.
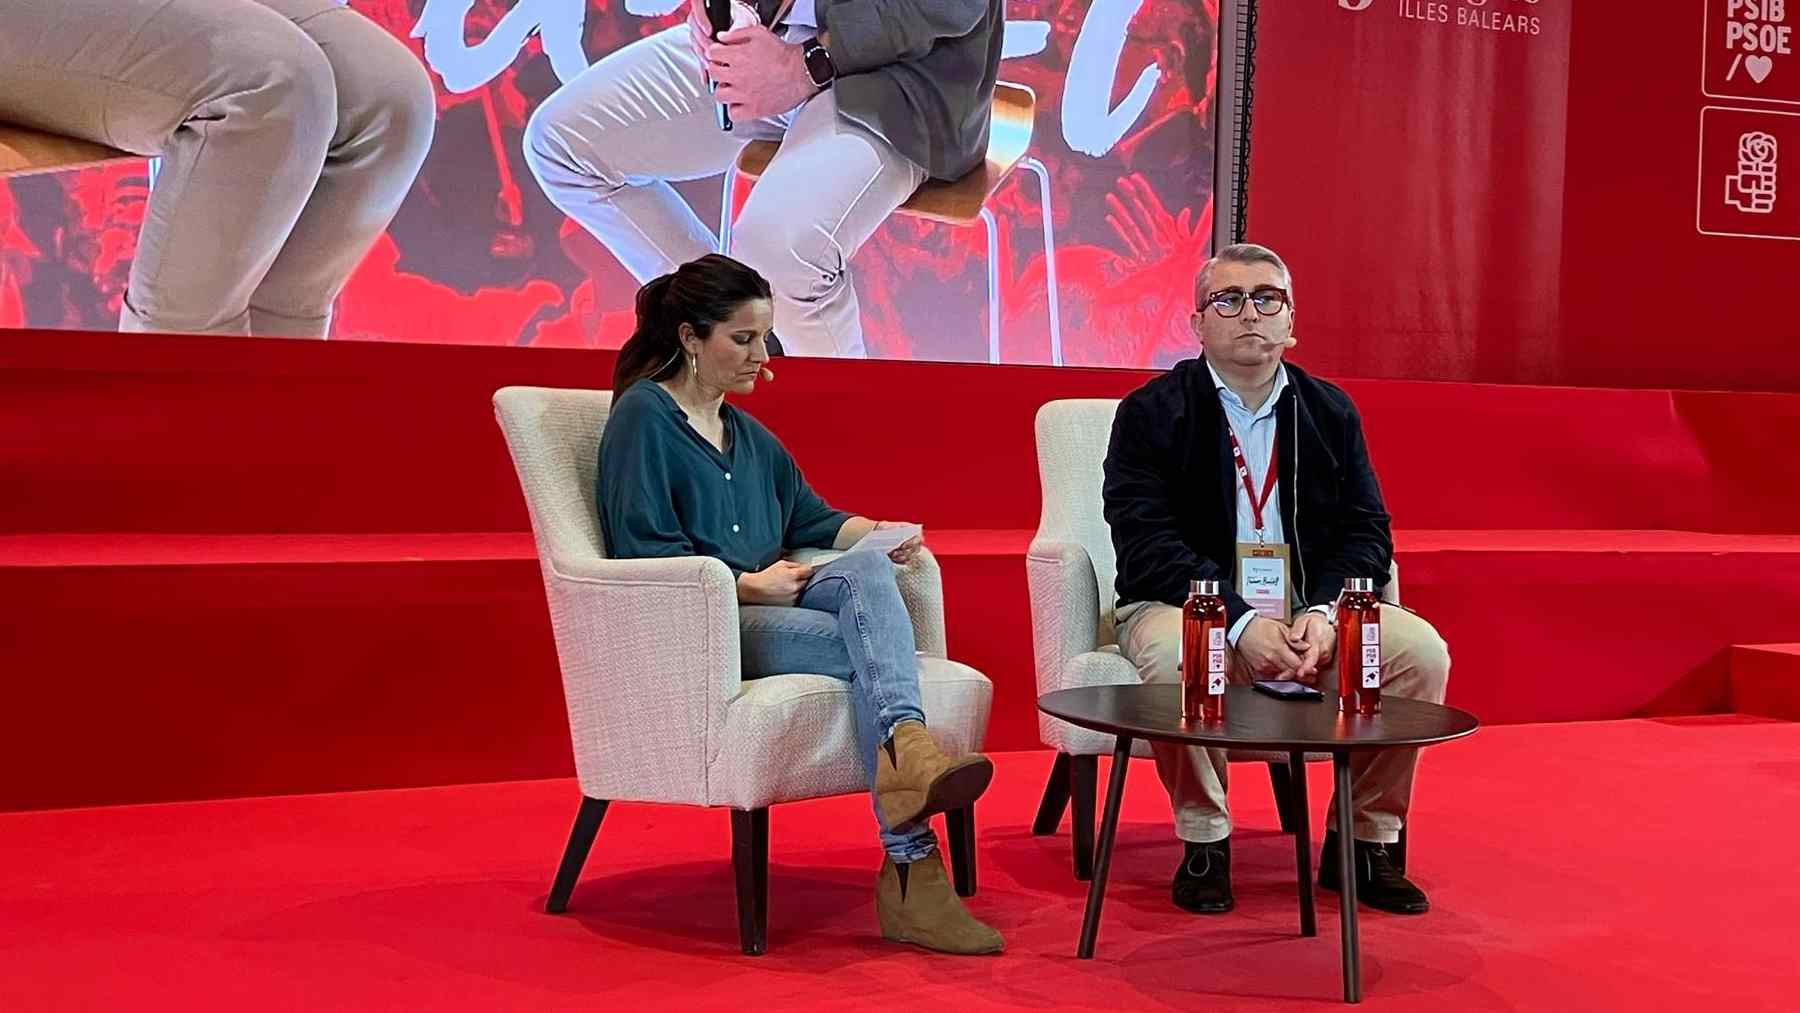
(606, 147)
(289, 130)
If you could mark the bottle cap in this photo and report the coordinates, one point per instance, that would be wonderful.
(1210, 587)
(1363, 584)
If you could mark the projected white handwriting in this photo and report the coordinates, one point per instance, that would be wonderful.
(465, 68)
(1089, 126)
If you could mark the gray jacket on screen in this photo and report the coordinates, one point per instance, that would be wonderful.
(918, 72)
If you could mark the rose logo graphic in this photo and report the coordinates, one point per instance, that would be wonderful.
(1751, 189)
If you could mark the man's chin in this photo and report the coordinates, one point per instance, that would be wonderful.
(1259, 343)
(1257, 354)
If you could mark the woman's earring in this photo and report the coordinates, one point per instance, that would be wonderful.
(694, 366)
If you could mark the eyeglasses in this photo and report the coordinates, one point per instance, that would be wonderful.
(1230, 302)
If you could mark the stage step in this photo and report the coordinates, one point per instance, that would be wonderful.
(162, 667)
(167, 667)
(1594, 625)
(1765, 680)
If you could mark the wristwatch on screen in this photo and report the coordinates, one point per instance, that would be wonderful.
(818, 63)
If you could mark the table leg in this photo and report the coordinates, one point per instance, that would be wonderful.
(1302, 820)
(1109, 827)
(1346, 834)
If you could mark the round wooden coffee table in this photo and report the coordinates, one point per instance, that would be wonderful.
(1255, 721)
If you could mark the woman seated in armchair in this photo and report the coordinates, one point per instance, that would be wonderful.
(685, 473)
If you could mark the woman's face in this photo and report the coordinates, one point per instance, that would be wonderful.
(730, 360)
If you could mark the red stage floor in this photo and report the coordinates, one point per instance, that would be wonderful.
(1618, 865)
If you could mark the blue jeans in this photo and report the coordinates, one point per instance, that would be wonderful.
(850, 624)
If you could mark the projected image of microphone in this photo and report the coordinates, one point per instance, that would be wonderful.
(719, 13)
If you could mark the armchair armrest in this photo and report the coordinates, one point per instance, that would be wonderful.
(1065, 607)
(922, 585)
(649, 652)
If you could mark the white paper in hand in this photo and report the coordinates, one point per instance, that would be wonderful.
(886, 540)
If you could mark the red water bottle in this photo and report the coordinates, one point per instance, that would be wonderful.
(1359, 648)
(1203, 653)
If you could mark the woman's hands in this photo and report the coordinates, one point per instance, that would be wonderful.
(783, 580)
(906, 551)
(779, 584)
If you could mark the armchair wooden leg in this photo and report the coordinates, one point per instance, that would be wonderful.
(750, 860)
(1084, 774)
(959, 826)
(1056, 798)
(581, 839)
(1285, 796)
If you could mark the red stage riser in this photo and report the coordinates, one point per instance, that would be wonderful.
(242, 677)
(122, 433)
(1765, 680)
(156, 682)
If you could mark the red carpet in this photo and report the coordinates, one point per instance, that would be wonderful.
(1621, 865)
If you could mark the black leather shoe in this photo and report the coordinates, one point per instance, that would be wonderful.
(1378, 883)
(1203, 882)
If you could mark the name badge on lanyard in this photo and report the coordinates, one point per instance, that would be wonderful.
(1262, 567)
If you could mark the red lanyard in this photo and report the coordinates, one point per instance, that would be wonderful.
(1256, 502)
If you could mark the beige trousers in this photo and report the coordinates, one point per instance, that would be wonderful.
(606, 147)
(1415, 663)
(289, 130)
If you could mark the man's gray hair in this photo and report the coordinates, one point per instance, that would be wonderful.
(1242, 253)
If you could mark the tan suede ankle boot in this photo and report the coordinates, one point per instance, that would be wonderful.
(914, 779)
(916, 904)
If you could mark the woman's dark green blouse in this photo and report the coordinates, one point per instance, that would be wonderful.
(664, 491)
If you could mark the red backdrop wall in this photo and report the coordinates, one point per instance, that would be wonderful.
(1484, 202)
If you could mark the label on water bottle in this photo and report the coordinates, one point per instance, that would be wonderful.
(1371, 655)
(1215, 663)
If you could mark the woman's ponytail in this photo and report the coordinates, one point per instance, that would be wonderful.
(655, 345)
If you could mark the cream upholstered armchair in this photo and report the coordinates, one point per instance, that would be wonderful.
(658, 708)
(1070, 569)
